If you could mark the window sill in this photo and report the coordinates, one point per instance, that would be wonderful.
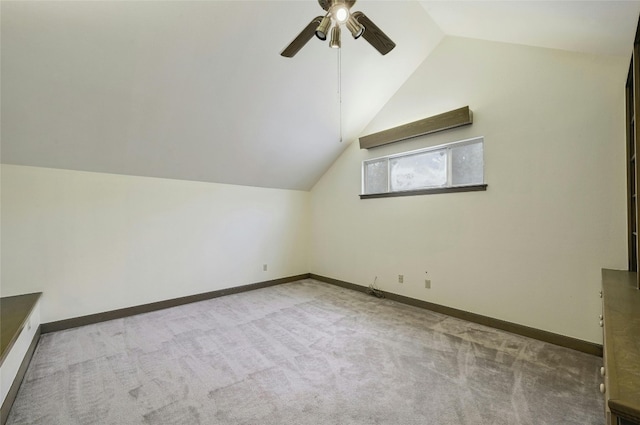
(433, 191)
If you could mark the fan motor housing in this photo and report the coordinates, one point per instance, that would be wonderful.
(326, 4)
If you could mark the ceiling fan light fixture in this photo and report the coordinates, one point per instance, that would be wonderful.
(335, 37)
(340, 12)
(356, 28)
(323, 28)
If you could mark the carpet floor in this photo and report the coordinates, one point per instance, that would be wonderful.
(303, 353)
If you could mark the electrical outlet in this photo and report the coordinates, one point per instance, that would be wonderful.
(264, 267)
(400, 278)
(427, 283)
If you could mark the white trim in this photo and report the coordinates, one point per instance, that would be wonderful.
(430, 148)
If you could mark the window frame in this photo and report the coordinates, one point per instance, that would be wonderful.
(447, 188)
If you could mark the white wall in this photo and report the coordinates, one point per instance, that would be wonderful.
(94, 242)
(530, 249)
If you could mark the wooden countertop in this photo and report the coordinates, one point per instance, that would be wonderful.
(14, 312)
(621, 305)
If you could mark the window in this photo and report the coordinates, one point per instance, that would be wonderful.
(454, 167)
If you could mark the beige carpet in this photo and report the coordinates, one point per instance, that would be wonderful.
(303, 353)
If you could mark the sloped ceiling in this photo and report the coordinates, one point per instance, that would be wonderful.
(197, 90)
(599, 27)
(194, 90)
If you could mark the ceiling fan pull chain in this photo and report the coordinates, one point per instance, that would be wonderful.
(340, 89)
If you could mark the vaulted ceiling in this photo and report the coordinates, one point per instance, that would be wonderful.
(197, 90)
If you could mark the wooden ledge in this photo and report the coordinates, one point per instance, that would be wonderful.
(445, 121)
(621, 311)
(14, 312)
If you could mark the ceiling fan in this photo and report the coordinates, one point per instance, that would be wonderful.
(338, 13)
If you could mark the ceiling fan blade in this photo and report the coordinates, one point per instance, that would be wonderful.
(302, 38)
(374, 35)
